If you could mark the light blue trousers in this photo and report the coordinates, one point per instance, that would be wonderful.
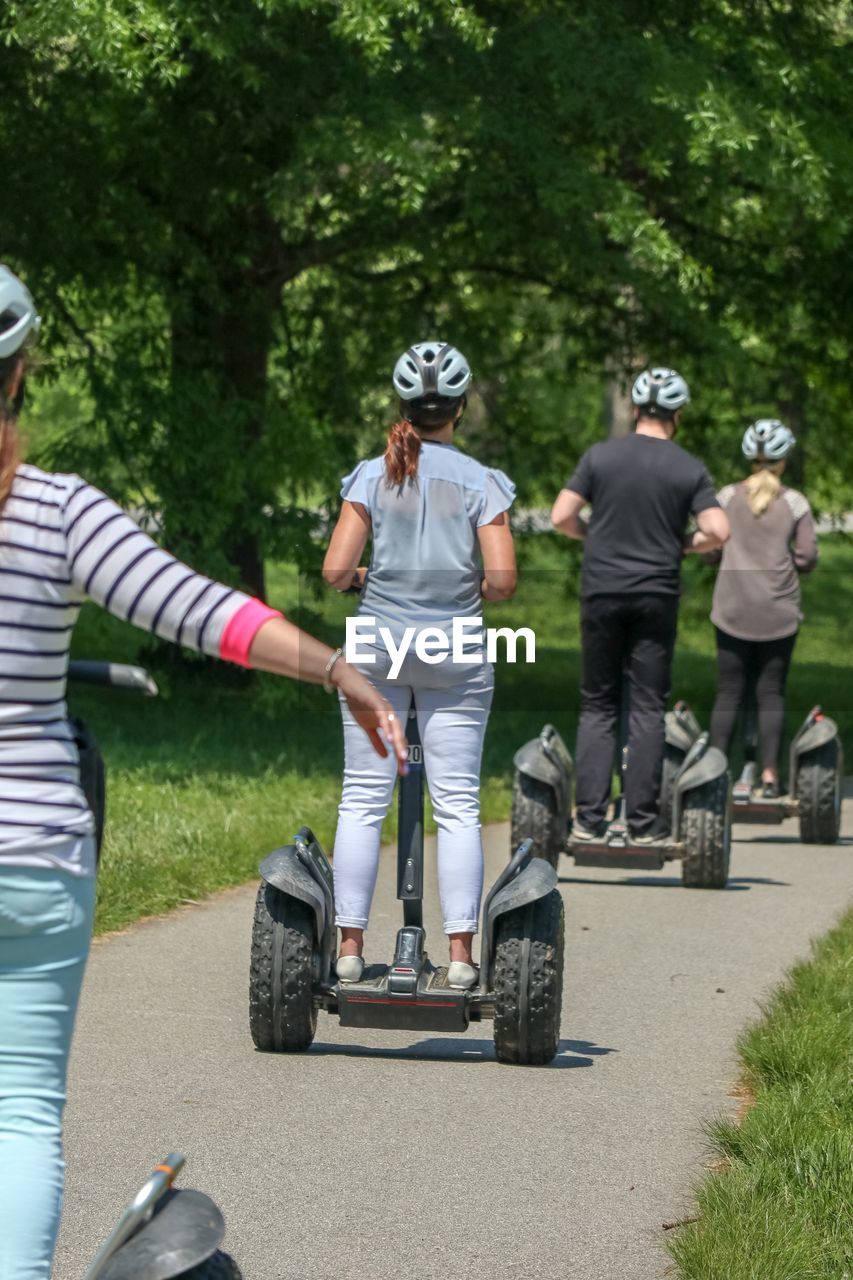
(45, 930)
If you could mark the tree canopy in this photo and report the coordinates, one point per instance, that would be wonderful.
(235, 215)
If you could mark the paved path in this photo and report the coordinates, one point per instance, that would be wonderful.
(381, 1154)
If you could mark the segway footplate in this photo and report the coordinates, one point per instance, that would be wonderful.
(616, 850)
(434, 1006)
(625, 858)
(750, 808)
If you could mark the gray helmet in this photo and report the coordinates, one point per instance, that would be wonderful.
(661, 389)
(18, 318)
(768, 440)
(431, 369)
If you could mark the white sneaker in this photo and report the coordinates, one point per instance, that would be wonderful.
(460, 975)
(349, 968)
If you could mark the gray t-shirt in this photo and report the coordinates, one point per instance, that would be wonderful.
(757, 592)
(425, 562)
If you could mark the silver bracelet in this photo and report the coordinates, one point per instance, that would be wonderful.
(327, 684)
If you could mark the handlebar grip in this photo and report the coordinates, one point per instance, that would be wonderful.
(117, 675)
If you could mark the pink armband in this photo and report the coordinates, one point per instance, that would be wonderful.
(241, 630)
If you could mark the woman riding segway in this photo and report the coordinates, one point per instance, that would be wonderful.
(62, 540)
(756, 605)
(433, 513)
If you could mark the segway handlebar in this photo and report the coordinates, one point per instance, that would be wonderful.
(117, 675)
(142, 1205)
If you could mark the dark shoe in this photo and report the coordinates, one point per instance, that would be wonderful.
(770, 791)
(587, 834)
(656, 835)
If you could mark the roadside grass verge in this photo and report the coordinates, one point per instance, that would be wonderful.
(224, 766)
(781, 1207)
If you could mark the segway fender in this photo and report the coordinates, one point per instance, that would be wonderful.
(185, 1229)
(710, 765)
(815, 731)
(818, 733)
(681, 727)
(534, 881)
(702, 764)
(284, 870)
(547, 759)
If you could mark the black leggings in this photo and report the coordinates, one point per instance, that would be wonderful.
(764, 664)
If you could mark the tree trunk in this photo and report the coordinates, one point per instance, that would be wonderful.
(211, 477)
(792, 405)
(618, 410)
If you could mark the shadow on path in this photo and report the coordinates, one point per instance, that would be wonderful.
(735, 884)
(571, 1053)
(774, 839)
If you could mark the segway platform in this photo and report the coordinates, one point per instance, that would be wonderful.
(380, 1000)
(615, 849)
(748, 805)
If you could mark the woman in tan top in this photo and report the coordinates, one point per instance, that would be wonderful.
(756, 606)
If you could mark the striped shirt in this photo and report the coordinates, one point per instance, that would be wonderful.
(61, 540)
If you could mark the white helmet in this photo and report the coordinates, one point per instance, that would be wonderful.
(18, 318)
(431, 369)
(768, 440)
(660, 389)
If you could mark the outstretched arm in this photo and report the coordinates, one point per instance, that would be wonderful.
(112, 561)
(284, 649)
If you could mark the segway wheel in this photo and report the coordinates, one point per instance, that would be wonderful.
(535, 817)
(219, 1266)
(673, 759)
(819, 793)
(282, 1016)
(528, 982)
(706, 832)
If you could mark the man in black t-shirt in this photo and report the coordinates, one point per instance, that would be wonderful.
(642, 489)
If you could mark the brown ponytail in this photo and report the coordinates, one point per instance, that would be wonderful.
(402, 453)
(10, 445)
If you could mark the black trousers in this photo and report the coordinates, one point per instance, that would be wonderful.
(763, 665)
(634, 634)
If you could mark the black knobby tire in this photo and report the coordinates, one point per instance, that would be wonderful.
(219, 1266)
(819, 793)
(706, 832)
(673, 759)
(535, 817)
(282, 1016)
(528, 982)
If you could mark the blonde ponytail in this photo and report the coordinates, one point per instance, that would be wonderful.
(763, 486)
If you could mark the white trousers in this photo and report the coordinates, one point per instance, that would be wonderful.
(452, 705)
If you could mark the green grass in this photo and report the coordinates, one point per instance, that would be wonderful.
(781, 1207)
(223, 766)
